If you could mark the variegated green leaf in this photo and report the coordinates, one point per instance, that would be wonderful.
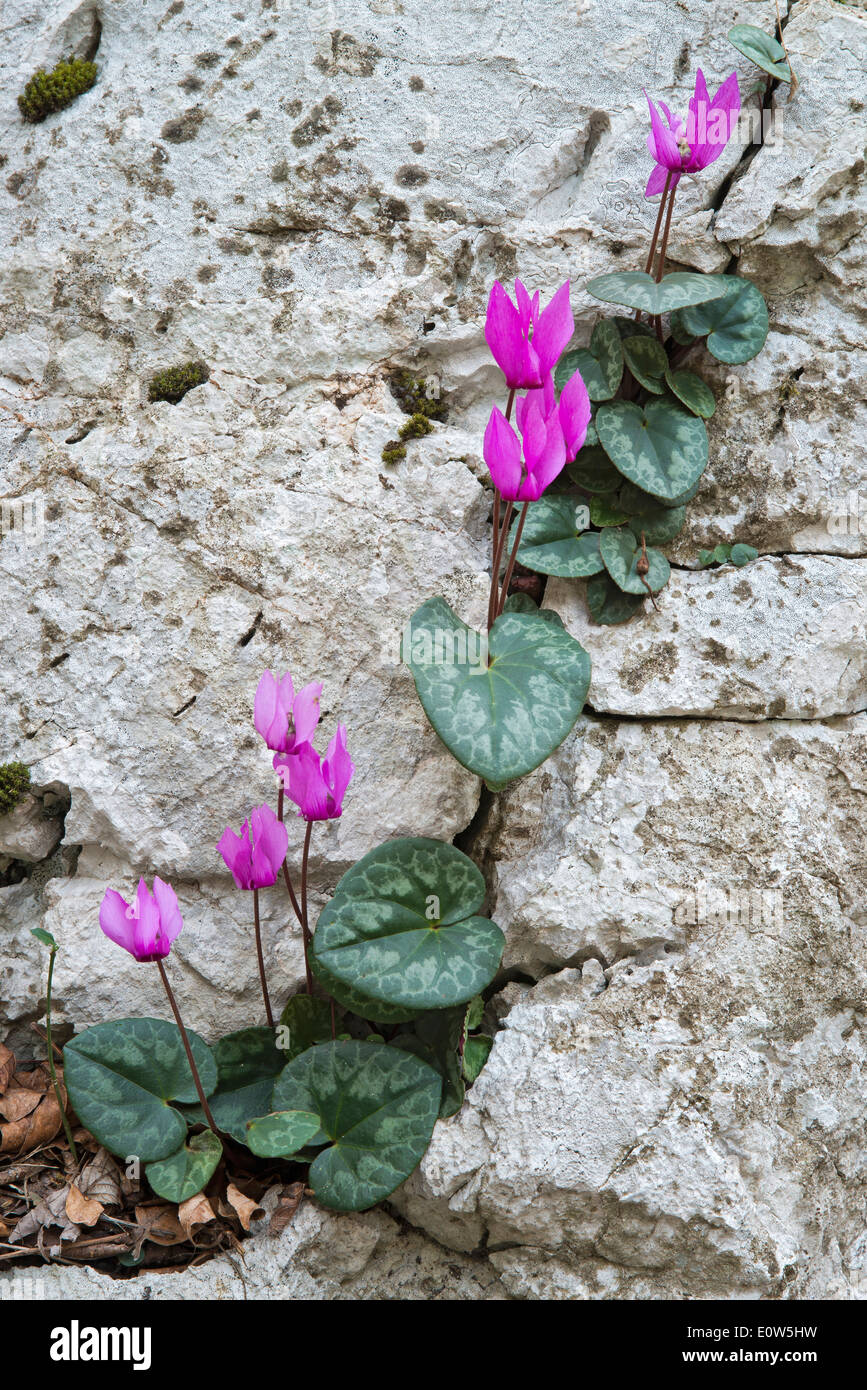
(640, 291)
(600, 365)
(621, 552)
(661, 448)
(403, 926)
(594, 472)
(646, 359)
(607, 603)
(503, 716)
(281, 1133)
(185, 1172)
(555, 539)
(376, 1105)
(695, 393)
(736, 326)
(122, 1077)
(761, 49)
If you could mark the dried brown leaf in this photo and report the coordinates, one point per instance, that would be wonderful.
(160, 1224)
(291, 1198)
(100, 1178)
(49, 1212)
(18, 1102)
(84, 1211)
(38, 1127)
(194, 1213)
(7, 1066)
(246, 1209)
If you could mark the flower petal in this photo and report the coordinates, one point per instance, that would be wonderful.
(114, 921)
(661, 143)
(575, 411)
(270, 716)
(171, 920)
(307, 786)
(502, 453)
(305, 712)
(338, 768)
(553, 331)
(270, 842)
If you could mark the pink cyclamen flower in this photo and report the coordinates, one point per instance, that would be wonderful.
(318, 788)
(525, 344)
(145, 927)
(551, 434)
(254, 858)
(680, 149)
(285, 720)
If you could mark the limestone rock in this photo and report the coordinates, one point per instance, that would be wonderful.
(778, 638)
(633, 831)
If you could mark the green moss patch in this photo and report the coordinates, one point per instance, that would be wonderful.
(47, 92)
(14, 781)
(410, 392)
(173, 384)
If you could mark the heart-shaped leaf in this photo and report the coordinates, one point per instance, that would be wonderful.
(436, 1039)
(600, 365)
(403, 926)
(647, 361)
(736, 326)
(122, 1076)
(373, 1010)
(281, 1133)
(621, 552)
(304, 1022)
(658, 524)
(476, 1053)
(641, 291)
(695, 393)
(247, 1063)
(661, 448)
(556, 540)
(504, 717)
(607, 603)
(377, 1106)
(743, 554)
(185, 1172)
(761, 49)
(594, 472)
(607, 511)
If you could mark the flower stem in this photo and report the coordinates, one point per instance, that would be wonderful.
(499, 532)
(507, 579)
(296, 907)
(304, 919)
(662, 202)
(493, 602)
(657, 319)
(206, 1109)
(268, 1013)
(67, 1129)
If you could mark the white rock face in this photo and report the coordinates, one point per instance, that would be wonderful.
(307, 198)
(778, 638)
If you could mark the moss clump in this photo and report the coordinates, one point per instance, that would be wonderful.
(416, 427)
(410, 392)
(173, 384)
(52, 91)
(14, 781)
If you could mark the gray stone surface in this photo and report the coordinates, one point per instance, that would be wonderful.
(306, 198)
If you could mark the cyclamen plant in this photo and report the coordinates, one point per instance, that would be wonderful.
(603, 474)
(402, 953)
(599, 449)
